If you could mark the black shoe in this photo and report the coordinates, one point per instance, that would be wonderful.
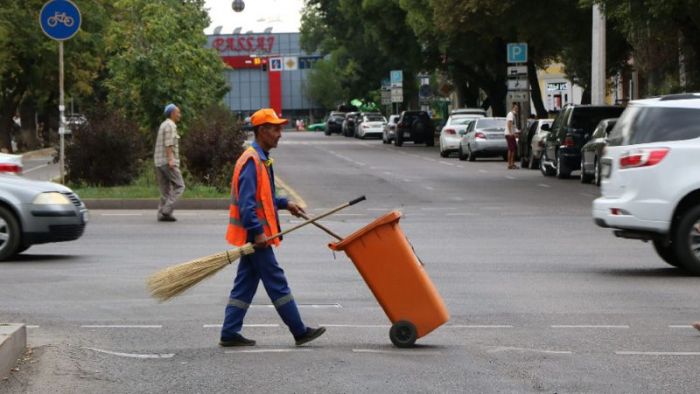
(310, 335)
(166, 218)
(237, 340)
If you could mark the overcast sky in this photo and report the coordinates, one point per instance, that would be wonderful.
(282, 15)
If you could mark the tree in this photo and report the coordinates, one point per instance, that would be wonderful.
(157, 54)
(323, 85)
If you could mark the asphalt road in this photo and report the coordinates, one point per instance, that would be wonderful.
(541, 300)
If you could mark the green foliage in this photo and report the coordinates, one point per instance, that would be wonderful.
(158, 55)
(106, 151)
(212, 146)
(323, 85)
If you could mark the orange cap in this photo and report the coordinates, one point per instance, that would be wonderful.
(266, 116)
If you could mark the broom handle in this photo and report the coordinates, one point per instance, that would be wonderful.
(322, 227)
(319, 217)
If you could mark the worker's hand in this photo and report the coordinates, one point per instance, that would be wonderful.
(171, 162)
(295, 209)
(260, 241)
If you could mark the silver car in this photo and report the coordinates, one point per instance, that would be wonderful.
(390, 129)
(453, 131)
(33, 212)
(485, 137)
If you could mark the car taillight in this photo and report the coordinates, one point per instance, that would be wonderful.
(14, 168)
(643, 158)
(364, 126)
(450, 132)
(480, 136)
(569, 141)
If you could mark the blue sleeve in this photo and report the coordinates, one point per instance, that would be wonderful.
(281, 202)
(247, 188)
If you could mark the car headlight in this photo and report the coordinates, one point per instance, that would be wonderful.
(52, 198)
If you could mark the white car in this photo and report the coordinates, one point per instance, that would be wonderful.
(390, 129)
(650, 178)
(452, 132)
(537, 136)
(371, 125)
(10, 163)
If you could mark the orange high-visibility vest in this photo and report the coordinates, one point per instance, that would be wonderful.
(236, 234)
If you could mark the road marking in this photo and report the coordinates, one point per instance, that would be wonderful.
(428, 159)
(267, 351)
(460, 166)
(683, 326)
(512, 178)
(445, 163)
(245, 325)
(522, 349)
(407, 180)
(315, 306)
(461, 214)
(478, 326)
(626, 353)
(483, 171)
(356, 325)
(132, 355)
(543, 185)
(121, 326)
(437, 208)
(429, 188)
(397, 352)
(121, 214)
(590, 326)
(35, 168)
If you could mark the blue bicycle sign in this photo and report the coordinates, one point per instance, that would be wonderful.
(60, 19)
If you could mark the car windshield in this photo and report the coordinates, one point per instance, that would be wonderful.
(374, 118)
(586, 119)
(491, 124)
(641, 125)
(461, 120)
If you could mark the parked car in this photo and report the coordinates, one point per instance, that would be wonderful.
(10, 163)
(415, 126)
(390, 129)
(348, 127)
(569, 132)
(74, 121)
(593, 151)
(484, 137)
(33, 212)
(334, 122)
(531, 143)
(650, 185)
(247, 125)
(453, 131)
(479, 112)
(371, 125)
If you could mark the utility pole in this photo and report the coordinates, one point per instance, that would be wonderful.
(598, 81)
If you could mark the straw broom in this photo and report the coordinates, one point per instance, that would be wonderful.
(173, 281)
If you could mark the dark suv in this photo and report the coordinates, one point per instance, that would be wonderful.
(334, 123)
(570, 131)
(415, 126)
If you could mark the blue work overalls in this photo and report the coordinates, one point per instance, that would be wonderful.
(260, 265)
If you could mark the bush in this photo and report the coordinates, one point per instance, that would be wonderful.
(107, 150)
(213, 143)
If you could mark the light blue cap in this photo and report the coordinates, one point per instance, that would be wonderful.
(168, 109)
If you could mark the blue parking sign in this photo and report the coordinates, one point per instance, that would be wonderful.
(60, 19)
(517, 52)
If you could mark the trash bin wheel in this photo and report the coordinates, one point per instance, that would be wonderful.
(403, 334)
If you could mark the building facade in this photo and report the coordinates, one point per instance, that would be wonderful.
(266, 70)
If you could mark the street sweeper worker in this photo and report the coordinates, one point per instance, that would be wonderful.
(253, 218)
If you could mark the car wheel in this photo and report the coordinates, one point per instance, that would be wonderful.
(9, 234)
(470, 155)
(585, 177)
(462, 156)
(666, 252)
(546, 171)
(327, 131)
(562, 171)
(524, 161)
(596, 172)
(398, 139)
(686, 240)
(430, 140)
(384, 140)
(532, 161)
(444, 153)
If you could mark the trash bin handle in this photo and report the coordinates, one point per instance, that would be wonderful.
(358, 199)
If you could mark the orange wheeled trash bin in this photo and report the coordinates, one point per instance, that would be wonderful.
(386, 261)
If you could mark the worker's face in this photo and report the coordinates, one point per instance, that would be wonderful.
(516, 109)
(175, 115)
(269, 135)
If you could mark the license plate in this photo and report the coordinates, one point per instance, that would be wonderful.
(605, 170)
(406, 135)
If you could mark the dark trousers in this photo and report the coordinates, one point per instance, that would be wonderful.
(261, 265)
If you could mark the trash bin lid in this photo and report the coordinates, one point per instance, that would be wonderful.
(388, 218)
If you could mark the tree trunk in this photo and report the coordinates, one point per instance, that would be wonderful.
(535, 89)
(28, 135)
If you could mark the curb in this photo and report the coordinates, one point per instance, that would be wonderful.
(152, 203)
(13, 344)
(38, 153)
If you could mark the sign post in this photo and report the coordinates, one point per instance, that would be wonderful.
(396, 80)
(60, 20)
(518, 83)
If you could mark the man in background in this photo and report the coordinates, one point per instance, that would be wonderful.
(167, 161)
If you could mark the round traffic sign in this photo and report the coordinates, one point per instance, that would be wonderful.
(60, 19)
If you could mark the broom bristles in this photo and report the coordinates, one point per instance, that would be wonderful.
(172, 281)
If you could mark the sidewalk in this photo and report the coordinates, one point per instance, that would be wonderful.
(13, 344)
